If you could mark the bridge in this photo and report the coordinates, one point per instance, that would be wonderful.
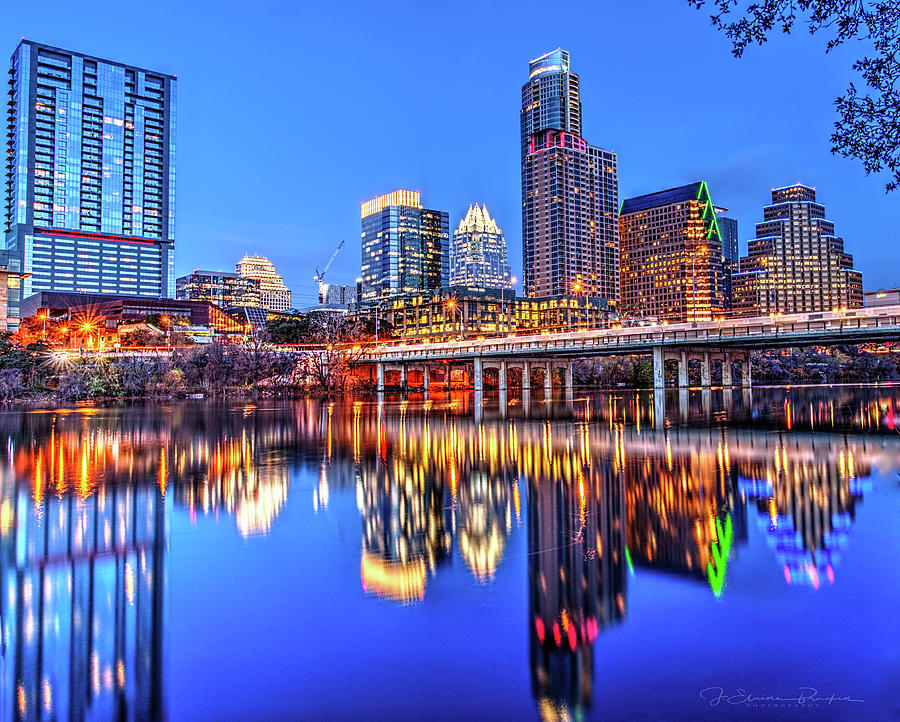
(727, 342)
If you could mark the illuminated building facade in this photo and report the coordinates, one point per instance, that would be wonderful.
(672, 255)
(90, 202)
(731, 259)
(459, 311)
(478, 252)
(570, 196)
(273, 294)
(795, 264)
(404, 245)
(219, 287)
(576, 571)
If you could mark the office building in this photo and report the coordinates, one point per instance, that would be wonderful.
(672, 255)
(457, 311)
(336, 294)
(478, 256)
(570, 197)
(795, 264)
(90, 202)
(731, 259)
(881, 297)
(273, 294)
(404, 245)
(222, 288)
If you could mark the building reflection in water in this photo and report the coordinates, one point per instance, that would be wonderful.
(83, 530)
(806, 503)
(576, 568)
(82, 600)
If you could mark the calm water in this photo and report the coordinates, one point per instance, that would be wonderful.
(602, 557)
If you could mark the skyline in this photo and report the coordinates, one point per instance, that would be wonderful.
(309, 210)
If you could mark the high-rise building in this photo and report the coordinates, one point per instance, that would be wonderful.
(90, 176)
(404, 245)
(478, 252)
(672, 255)
(336, 294)
(795, 264)
(219, 287)
(570, 191)
(273, 294)
(731, 259)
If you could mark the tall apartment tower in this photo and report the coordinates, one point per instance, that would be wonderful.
(570, 190)
(90, 176)
(731, 260)
(404, 245)
(273, 294)
(478, 257)
(672, 255)
(795, 264)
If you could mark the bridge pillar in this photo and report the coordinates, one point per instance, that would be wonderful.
(448, 372)
(659, 368)
(403, 384)
(659, 406)
(478, 375)
(548, 380)
(426, 373)
(570, 378)
(501, 383)
(705, 371)
(526, 376)
(746, 377)
(726, 371)
(683, 371)
(379, 377)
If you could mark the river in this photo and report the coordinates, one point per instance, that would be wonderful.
(721, 555)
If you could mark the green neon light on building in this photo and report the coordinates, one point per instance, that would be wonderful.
(720, 551)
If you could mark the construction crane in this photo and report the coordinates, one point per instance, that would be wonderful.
(320, 277)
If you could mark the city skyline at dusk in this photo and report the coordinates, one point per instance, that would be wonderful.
(275, 187)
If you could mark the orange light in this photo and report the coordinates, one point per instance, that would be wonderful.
(86, 327)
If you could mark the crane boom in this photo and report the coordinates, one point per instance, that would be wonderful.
(319, 277)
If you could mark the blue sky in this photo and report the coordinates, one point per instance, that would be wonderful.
(292, 114)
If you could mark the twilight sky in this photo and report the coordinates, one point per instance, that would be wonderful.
(291, 114)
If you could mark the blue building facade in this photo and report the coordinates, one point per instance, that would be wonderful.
(731, 260)
(90, 177)
(405, 247)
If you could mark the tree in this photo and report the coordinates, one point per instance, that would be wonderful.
(868, 125)
(329, 365)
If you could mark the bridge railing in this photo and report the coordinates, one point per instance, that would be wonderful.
(795, 325)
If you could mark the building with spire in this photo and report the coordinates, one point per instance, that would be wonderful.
(478, 257)
(672, 255)
(273, 294)
(570, 196)
(795, 264)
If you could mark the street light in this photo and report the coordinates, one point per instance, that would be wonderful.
(511, 283)
(453, 306)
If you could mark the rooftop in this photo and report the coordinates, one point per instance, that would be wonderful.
(681, 194)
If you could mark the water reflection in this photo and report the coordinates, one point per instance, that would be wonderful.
(597, 486)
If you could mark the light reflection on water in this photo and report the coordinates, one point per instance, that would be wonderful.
(587, 499)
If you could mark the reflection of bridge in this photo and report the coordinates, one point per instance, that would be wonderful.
(726, 341)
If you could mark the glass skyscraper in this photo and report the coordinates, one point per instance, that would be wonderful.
(478, 252)
(404, 246)
(731, 260)
(570, 237)
(90, 177)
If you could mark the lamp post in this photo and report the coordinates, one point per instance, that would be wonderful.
(453, 307)
(43, 317)
(577, 289)
(511, 283)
